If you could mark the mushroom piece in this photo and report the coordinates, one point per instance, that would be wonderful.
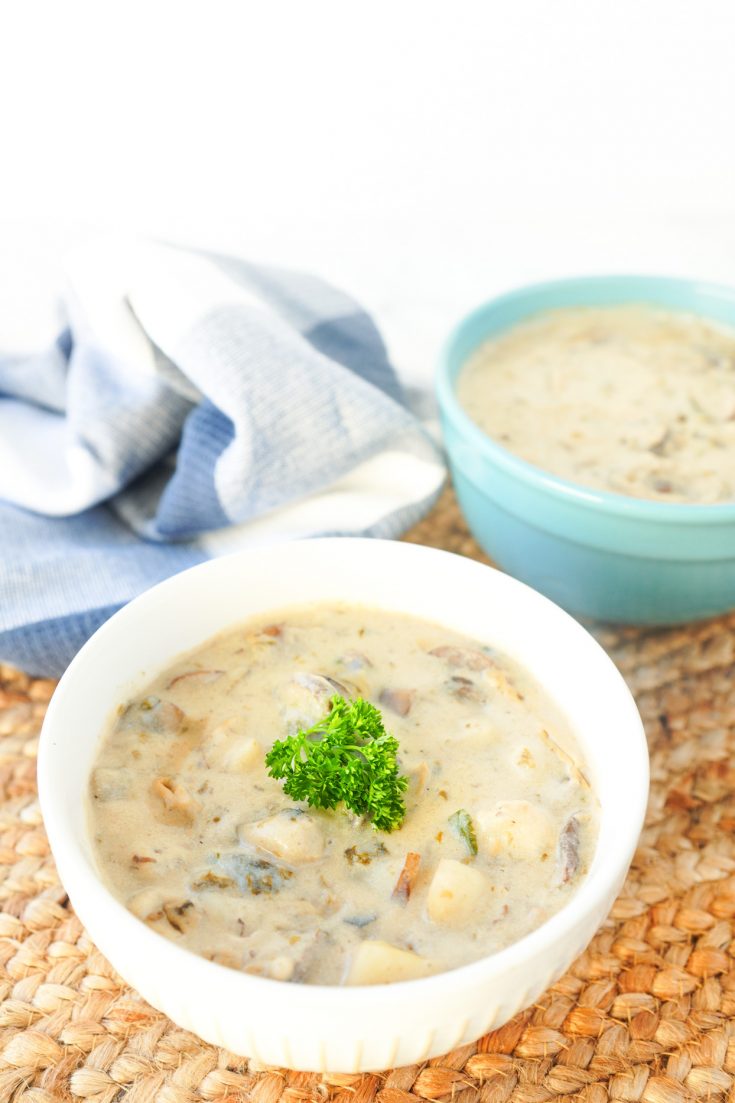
(464, 689)
(182, 915)
(229, 958)
(376, 962)
(154, 716)
(354, 660)
(399, 701)
(145, 867)
(407, 877)
(322, 686)
(466, 657)
(455, 893)
(469, 658)
(569, 850)
(292, 835)
(177, 800)
(194, 678)
(307, 697)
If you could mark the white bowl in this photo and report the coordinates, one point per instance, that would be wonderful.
(332, 1028)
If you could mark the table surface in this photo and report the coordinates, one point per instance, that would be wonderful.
(646, 1013)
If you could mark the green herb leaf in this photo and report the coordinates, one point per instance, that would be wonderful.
(346, 758)
(462, 825)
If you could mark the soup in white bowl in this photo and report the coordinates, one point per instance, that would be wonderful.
(341, 1027)
(474, 823)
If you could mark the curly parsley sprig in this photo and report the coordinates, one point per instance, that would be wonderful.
(346, 758)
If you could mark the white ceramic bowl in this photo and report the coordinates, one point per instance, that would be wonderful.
(333, 1028)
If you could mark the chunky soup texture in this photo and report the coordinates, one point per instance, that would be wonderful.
(195, 838)
(631, 399)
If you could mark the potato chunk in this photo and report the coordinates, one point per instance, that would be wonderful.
(243, 754)
(455, 892)
(376, 962)
(228, 747)
(291, 835)
(515, 829)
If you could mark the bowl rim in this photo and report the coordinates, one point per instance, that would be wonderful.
(89, 886)
(602, 502)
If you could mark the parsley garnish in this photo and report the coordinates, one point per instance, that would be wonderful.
(346, 758)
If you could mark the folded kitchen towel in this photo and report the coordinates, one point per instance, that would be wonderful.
(169, 406)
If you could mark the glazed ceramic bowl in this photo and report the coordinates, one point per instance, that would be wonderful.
(597, 554)
(335, 1028)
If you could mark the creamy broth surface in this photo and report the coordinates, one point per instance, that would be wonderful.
(195, 838)
(631, 399)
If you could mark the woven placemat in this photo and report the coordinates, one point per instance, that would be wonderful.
(645, 1014)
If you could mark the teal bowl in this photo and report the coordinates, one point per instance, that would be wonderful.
(597, 554)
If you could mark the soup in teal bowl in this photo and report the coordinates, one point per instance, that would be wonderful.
(597, 553)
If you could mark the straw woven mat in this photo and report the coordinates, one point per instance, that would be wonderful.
(645, 1014)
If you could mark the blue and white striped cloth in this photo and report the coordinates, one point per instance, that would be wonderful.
(171, 406)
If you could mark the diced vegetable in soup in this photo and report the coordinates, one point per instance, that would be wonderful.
(441, 810)
(631, 399)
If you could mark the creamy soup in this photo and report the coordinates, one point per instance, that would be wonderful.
(631, 399)
(197, 840)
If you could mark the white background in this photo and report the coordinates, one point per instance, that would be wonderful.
(422, 155)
